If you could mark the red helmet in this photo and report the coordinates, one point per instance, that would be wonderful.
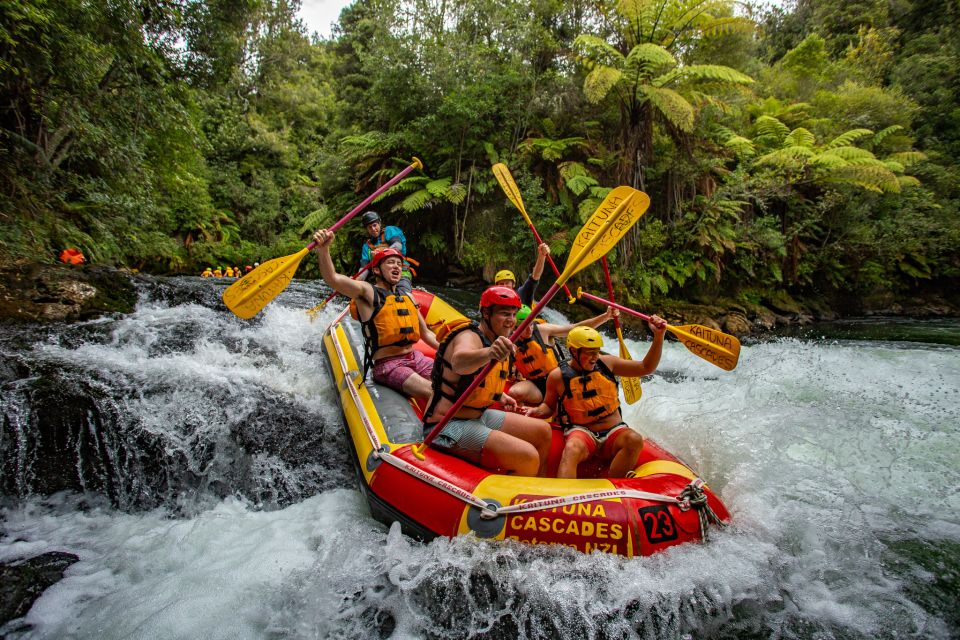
(503, 296)
(382, 254)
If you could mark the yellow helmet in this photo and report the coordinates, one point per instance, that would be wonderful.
(584, 337)
(504, 274)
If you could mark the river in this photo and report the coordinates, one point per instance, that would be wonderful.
(196, 464)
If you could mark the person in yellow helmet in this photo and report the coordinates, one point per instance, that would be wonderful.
(528, 289)
(228, 273)
(584, 393)
(538, 354)
(207, 273)
(218, 273)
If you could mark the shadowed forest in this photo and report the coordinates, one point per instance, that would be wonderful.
(804, 152)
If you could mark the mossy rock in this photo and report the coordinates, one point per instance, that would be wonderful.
(51, 293)
(782, 302)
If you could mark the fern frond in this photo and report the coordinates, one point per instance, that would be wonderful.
(770, 126)
(874, 178)
(579, 184)
(884, 133)
(907, 158)
(829, 161)
(456, 193)
(646, 59)
(599, 82)
(847, 139)
(597, 51)
(705, 72)
(414, 202)
(895, 167)
(740, 145)
(851, 153)
(800, 137)
(671, 105)
(908, 181)
(438, 187)
(727, 26)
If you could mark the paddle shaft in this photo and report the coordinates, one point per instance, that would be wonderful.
(553, 265)
(611, 303)
(606, 276)
(373, 196)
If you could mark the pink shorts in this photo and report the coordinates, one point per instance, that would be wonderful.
(394, 371)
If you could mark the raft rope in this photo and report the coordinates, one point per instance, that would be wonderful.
(691, 497)
(695, 498)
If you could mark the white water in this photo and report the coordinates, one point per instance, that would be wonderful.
(830, 456)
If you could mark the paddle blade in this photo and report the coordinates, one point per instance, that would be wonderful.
(251, 293)
(631, 386)
(712, 345)
(613, 218)
(509, 186)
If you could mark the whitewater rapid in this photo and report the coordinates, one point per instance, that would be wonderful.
(838, 460)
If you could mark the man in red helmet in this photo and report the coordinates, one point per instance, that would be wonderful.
(391, 321)
(489, 438)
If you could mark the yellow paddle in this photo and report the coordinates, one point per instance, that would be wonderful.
(631, 386)
(251, 293)
(509, 186)
(312, 312)
(713, 346)
(616, 214)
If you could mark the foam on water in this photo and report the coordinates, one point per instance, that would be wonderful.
(838, 461)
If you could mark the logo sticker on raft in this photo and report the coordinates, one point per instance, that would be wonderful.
(587, 526)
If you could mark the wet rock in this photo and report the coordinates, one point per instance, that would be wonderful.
(23, 582)
(737, 324)
(53, 293)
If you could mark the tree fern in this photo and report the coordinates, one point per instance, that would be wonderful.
(596, 51)
(671, 106)
(907, 158)
(800, 137)
(770, 127)
(883, 134)
(848, 138)
(600, 81)
(646, 60)
(698, 72)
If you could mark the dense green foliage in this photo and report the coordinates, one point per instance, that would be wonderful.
(804, 151)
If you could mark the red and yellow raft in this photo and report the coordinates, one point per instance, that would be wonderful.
(663, 504)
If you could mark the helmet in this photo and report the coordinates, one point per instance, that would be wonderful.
(369, 217)
(523, 313)
(504, 274)
(584, 337)
(503, 296)
(382, 254)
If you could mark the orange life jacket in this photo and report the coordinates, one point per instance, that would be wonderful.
(452, 387)
(587, 396)
(534, 358)
(393, 323)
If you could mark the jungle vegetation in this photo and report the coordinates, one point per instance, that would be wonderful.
(809, 150)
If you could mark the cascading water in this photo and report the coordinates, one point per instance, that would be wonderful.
(209, 492)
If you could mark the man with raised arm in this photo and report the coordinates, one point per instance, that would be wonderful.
(538, 354)
(391, 321)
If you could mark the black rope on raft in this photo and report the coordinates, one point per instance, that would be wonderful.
(694, 497)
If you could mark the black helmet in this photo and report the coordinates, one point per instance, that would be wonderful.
(369, 217)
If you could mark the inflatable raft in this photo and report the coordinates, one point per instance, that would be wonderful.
(663, 504)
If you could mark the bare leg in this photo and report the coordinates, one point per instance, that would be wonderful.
(526, 393)
(513, 455)
(532, 430)
(416, 386)
(575, 451)
(626, 448)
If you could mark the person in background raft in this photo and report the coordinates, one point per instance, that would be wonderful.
(207, 273)
(218, 273)
(489, 438)
(391, 322)
(380, 237)
(537, 353)
(528, 289)
(585, 394)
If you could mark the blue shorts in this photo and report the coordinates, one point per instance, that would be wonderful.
(465, 438)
